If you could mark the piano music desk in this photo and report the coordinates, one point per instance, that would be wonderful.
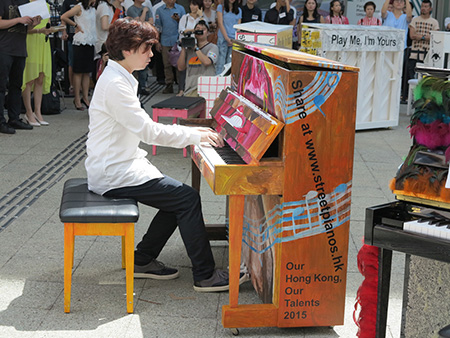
(179, 107)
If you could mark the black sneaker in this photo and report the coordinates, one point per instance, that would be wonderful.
(217, 282)
(144, 92)
(19, 124)
(155, 270)
(5, 129)
(168, 89)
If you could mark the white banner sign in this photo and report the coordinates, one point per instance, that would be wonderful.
(355, 38)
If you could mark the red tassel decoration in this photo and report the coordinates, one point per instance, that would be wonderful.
(367, 295)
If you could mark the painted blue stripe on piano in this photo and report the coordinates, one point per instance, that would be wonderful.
(260, 236)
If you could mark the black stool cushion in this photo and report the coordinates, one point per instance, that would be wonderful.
(79, 205)
(179, 102)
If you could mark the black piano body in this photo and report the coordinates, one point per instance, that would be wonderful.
(384, 229)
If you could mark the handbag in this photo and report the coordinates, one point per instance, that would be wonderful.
(174, 54)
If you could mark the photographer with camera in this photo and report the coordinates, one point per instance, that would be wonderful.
(197, 59)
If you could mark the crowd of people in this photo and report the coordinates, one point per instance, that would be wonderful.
(13, 59)
(211, 24)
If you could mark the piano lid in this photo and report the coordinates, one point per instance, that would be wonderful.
(246, 128)
(291, 56)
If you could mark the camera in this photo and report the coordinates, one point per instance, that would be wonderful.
(188, 41)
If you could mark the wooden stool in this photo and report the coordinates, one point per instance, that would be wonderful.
(87, 214)
(179, 107)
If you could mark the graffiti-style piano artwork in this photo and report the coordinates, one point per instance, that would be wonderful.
(289, 118)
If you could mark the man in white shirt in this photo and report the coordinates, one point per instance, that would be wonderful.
(117, 167)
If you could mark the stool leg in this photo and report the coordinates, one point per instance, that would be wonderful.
(123, 253)
(68, 263)
(203, 111)
(184, 152)
(129, 257)
(156, 119)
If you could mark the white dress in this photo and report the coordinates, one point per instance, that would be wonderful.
(86, 21)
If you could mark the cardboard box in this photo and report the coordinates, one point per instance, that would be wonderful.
(439, 54)
(265, 33)
(210, 87)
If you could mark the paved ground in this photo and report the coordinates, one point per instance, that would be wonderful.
(33, 167)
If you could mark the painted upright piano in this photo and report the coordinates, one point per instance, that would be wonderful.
(289, 124)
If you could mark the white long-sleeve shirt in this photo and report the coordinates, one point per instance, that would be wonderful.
(117, 124)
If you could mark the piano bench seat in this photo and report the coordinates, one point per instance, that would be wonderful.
(179, 107)
(87, 214)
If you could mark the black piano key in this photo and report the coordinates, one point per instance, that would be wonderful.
(442, 223)
(228, 155)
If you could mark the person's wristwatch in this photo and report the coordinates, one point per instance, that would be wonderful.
(423, 37)
(197, 49)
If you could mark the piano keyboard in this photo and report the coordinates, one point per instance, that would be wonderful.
(218, 156)
(229, 155)
(433, 226)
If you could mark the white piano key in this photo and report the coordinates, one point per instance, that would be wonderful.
(425, 228)
(209, 154)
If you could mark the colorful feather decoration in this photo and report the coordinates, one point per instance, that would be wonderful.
(432, 135)
(430, 129)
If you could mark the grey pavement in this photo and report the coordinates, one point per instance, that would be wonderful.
(33, 167)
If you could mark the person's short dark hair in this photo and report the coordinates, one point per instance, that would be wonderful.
(129, 35)
(370, 3)
(199, 3)
(427, 2)
(202, 22)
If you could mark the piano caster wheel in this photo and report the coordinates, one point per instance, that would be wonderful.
(235, 331)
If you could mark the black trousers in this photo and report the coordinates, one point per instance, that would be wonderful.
(411, 70)
(11, 68)
(179, 205)
(157, 63)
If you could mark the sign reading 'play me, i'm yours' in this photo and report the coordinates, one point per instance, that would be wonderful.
(350, 37)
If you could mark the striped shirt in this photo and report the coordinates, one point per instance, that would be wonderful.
(373, 21)
(337, 20)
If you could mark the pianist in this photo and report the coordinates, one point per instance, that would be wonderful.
(116, 167)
